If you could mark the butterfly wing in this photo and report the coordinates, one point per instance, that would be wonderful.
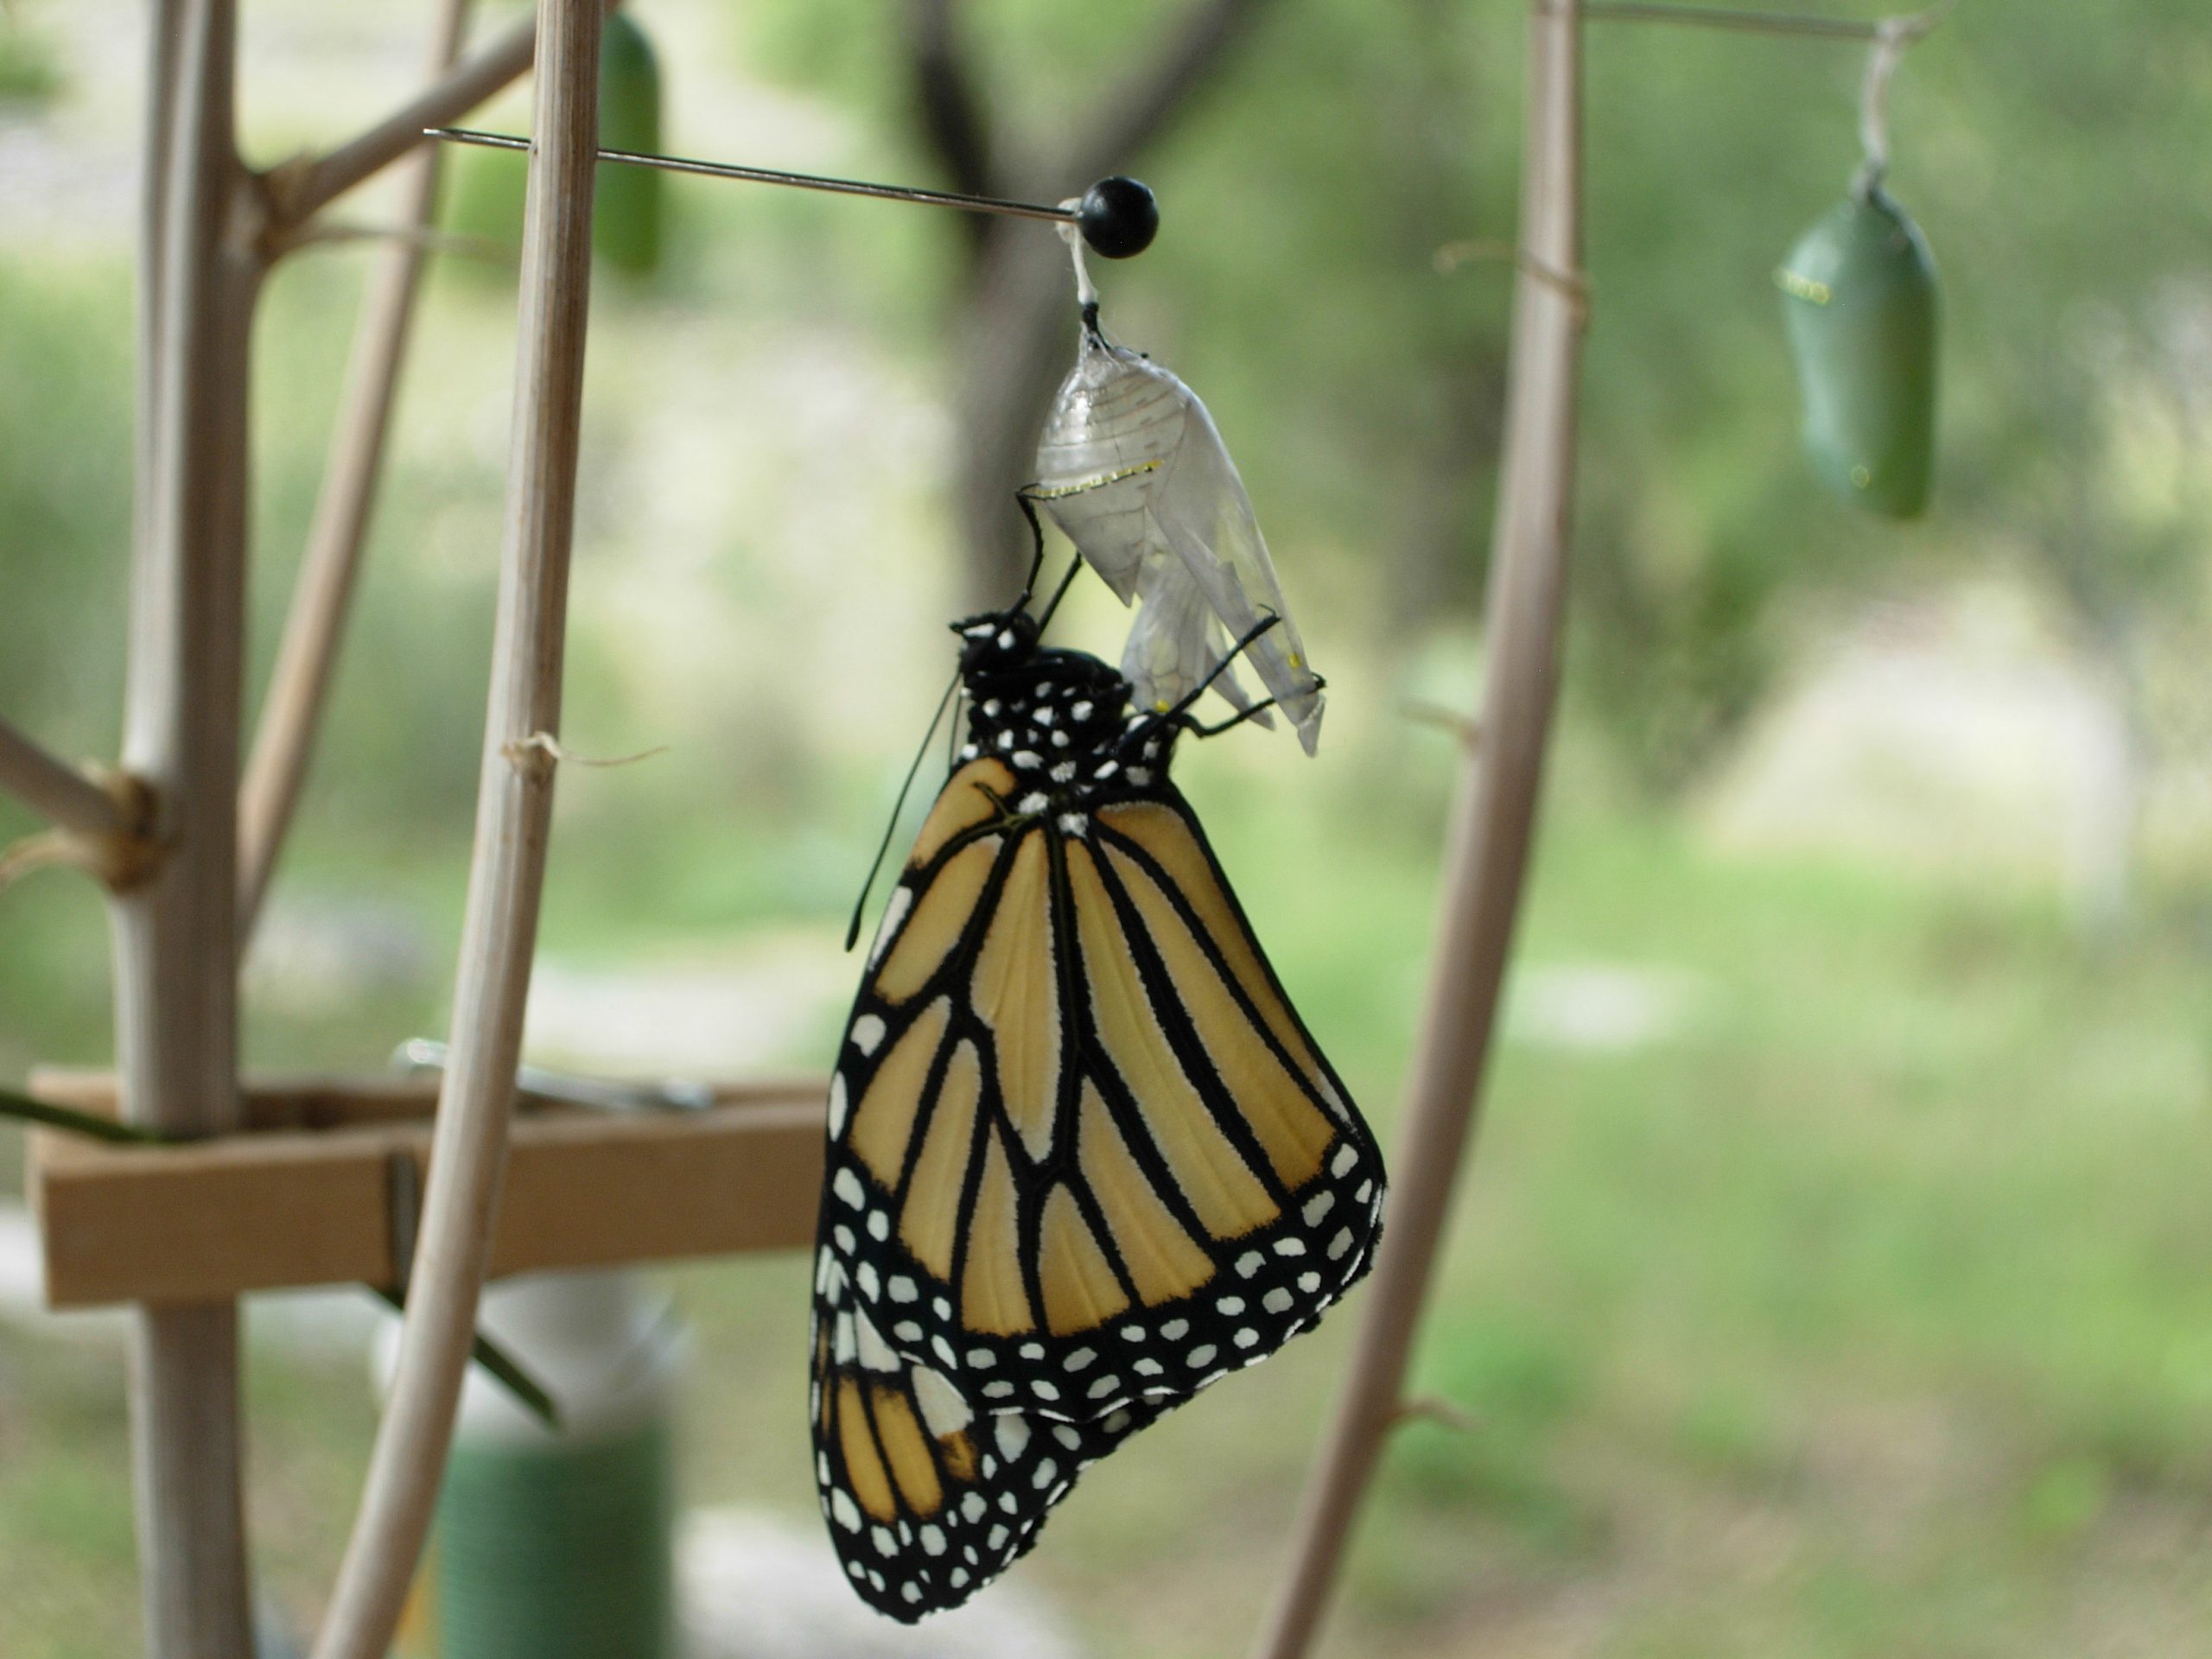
(1240, 1127)
(927, 1499)
(1084, 1158)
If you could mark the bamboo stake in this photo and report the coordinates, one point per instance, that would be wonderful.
(1492, 823)
(54, 790)
(514, 810)
(175, 995)
(308, 653)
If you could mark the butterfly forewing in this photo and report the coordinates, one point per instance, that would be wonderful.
(1087, 1110)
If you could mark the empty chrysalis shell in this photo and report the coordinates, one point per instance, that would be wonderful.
(1132, 467)
(1858, 298)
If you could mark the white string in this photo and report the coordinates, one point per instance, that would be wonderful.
(1892, 36)
(1085, 294)
(1890, 39)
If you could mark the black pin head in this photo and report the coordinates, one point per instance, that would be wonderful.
(1118, 216)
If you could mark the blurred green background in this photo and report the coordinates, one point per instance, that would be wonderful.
(1836, 1275)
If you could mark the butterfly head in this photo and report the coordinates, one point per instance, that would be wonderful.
(995, 643)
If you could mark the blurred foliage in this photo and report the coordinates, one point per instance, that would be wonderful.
(30, 68)
(1862, 1312)
(65, 499)
(1296, 285)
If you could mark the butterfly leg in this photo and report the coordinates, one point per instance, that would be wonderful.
(1233, 721)
(1168, 716)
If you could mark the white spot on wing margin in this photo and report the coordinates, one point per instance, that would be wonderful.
(894, 911)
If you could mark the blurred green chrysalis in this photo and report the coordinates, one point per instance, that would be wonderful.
(1858, 299)
(487, 186)
(626, 205)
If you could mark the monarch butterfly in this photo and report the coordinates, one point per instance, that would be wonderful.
(1084, 1158)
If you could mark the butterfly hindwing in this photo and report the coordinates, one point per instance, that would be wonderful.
(927, 1499)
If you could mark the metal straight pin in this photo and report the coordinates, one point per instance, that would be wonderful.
(1909, 27)
(420, 1054)
(1116, 216)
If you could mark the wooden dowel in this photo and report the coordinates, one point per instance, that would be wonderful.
(175, 989)
(307, 654)
(507, 869)
(58, 792)
(282, 1207)
(300, 192)
(1486, 861)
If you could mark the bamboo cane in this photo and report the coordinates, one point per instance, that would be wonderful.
(1493, 822)
(57, 791)
(463, 86)
(175, 989)
(307, 655)
(514, 810)
(164, 22)
(102, 823)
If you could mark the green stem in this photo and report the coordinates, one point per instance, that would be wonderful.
(501, 1364)
(25, 1110)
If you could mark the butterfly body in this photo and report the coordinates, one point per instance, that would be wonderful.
(1057, 719)
(1084, 1158)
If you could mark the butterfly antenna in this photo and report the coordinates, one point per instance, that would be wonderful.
(1028, 501)
(853, 932)
(1037, 544)
(1045, 617)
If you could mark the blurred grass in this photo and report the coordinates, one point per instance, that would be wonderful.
(1865, 1314)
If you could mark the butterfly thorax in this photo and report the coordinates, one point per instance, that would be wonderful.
(1060, 718)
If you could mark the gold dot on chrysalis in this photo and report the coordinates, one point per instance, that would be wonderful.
(1861, 477)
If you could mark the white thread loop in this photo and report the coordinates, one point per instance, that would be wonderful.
(1892, 35)
(540, 751)
(1085, 294)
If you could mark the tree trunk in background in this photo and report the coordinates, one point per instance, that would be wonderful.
(1016, 339)
(1017, 321)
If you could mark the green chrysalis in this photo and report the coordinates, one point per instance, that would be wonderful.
(487, 187)
(627, 200)
(1858, 298)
